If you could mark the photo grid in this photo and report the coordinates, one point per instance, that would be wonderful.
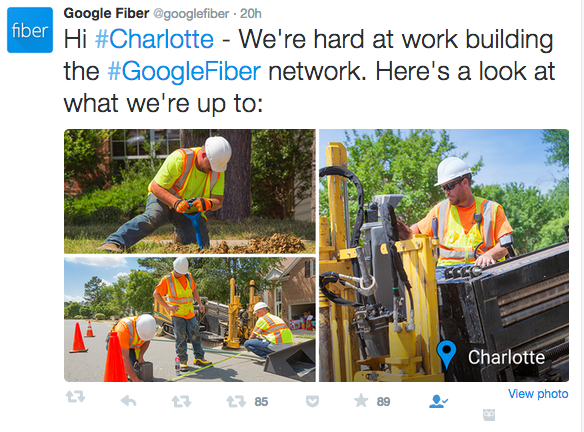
(190, 256)
(429, 268)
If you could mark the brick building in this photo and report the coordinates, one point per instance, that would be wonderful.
(297, 291)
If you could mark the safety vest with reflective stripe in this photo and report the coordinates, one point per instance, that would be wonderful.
(135, 341)
(273, 329)
(456, 246)
(189, 156)
(180, 296)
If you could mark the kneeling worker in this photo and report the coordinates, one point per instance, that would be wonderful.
(269, 334)
(134, 334)
(185, 174)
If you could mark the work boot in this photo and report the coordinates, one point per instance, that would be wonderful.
(202, 362)
(184, 367)
(111, 247)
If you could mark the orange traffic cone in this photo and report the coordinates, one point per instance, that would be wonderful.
(114, 364)
(78, 345)
(89, 330)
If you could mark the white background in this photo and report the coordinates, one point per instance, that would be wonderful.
(34, 119)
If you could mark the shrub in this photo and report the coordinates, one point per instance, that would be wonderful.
(99, 317)
(118, 204)
(121, 202)
(85, 152)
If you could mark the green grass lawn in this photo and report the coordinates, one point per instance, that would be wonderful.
(85, 239)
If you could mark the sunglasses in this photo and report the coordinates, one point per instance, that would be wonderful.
(451, 185)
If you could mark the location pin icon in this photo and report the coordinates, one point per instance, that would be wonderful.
(446, 350)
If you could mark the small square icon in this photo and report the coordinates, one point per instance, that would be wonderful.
(488, 414)
(29, 30)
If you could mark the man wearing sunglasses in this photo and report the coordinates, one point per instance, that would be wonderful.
(468, 226)
(197, 173)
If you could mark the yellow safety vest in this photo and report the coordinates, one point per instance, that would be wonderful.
(182, 297)
(456, 246)
(135, 341)
(189, 157)
(273, 329)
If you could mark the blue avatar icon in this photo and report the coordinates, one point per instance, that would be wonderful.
(446, 350)
(30, 30)
(437, 403)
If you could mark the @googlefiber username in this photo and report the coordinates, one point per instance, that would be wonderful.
(178, 74)
(190, 15)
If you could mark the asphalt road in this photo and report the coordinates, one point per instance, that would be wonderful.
(90, 366)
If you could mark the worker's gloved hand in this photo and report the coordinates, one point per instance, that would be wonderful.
(405, 233)
(202, 204)
(181, 205)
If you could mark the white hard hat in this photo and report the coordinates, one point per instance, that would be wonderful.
(181, 265)
(219, 152)
(146, 327)
(451, 168)
(258, 306)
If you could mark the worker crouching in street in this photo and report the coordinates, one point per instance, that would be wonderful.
(466, 224)
(196, 173)
(181, 289)
(269, 334)
(134, 334)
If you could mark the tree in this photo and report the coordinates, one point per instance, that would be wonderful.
(191, 138)
(282, 170)
(386, 163)
(120, 301)
(140, 289)
(85, 152)
(237, 197)
(559, 149)
(73, 309)
(537, 219)
(106, 308)
(160, 267)
(85, 311)
(214, 275)
(96, 291)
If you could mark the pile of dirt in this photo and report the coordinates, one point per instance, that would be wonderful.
(275, 244)
(177, 248)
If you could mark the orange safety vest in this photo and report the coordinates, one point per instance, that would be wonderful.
(456, 247)
(189, 156)
(135, 341)
(182, 297)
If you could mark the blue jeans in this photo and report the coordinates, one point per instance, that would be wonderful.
(258, 346)
(187, 329)
(155, 215)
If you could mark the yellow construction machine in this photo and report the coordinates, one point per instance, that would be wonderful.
(382, 314)
(241, 320)
(231, 324)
